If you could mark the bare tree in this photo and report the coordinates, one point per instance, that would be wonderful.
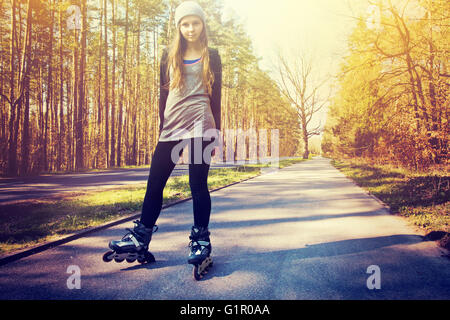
(296, 84)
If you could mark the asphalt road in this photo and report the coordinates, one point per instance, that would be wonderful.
(302, 232)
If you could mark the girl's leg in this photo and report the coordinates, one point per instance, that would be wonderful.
(198, 181)
(161, 167)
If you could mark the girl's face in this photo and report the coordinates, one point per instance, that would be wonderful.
(191, 28)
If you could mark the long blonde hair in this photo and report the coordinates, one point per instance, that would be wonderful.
(175, 60)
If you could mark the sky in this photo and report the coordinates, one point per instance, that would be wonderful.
(319, 28)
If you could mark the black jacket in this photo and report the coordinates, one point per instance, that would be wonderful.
(216, 95)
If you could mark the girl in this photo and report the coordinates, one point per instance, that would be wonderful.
(189, 110)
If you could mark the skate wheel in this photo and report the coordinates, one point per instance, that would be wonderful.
(108, 256)
(131, 260)
(118, 260)
(141, 260)
(201, 269)
(149, 257)
(197, 276)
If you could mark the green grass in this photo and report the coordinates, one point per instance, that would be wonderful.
(35, 222)
(420, 197)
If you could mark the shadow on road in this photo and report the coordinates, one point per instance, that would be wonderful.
(247, 258)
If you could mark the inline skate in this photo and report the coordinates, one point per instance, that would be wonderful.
(200, 251)
(133, 246)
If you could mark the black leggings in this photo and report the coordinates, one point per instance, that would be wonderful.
(165, 157)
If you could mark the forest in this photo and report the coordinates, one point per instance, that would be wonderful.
(79, 83)
(392, 104)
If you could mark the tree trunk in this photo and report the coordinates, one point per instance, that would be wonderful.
(112, 161)
(12, 149)
(124, 70)
(40, 151)
(79, 163)
(305, 137)
(106, 84)
(49, 105)
(100, 155)
(62, 131)
(26, 83)
(74, 108)
(136, 134)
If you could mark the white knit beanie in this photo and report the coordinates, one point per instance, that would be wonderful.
(188, 8)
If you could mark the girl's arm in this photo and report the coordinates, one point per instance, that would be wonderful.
(216, 95)
(163, 92)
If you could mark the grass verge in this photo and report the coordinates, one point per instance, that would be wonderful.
(420, 197)
(32, 223)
